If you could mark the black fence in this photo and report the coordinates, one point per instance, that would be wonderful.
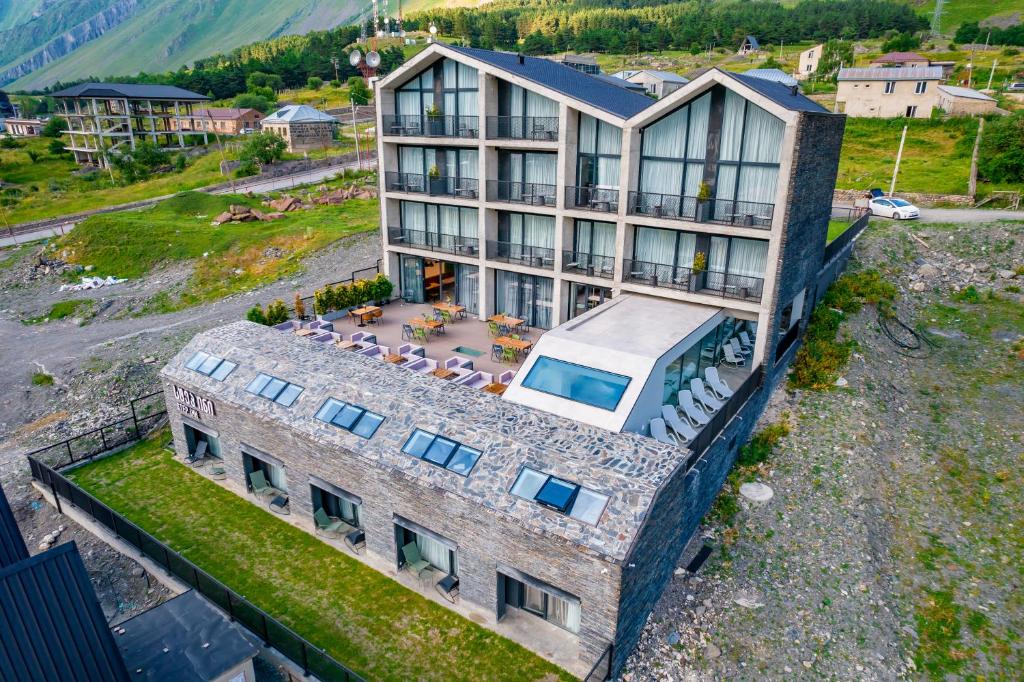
(529, 193)
(309, 302)
(414, 125)
(718, 422)
(434, 241)
(312, 660)
(858, 218)
(602, 669)
(540, 128)
(592, 198)
(720, 211)
(147, 412)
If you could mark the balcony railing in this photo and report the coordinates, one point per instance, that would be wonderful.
(509, 252)
(432, 241)
(592, 198)
(416, 125)
(719, 211)
(588, 264)
(538, 128)
(709, 282)
(417, 183)
(529, 193)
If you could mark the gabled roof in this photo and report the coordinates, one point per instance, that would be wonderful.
(130, 91)
(299, 113)
(786, 96)
(890, 57)
(897, 73)
(666, 76)
(567, 81)
(752, 41)
(621, 83)
(224, 113)
(775, 75)
(51, 624)
(12, 546)
(967, 93)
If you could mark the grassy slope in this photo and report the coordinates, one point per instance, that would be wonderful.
(133, 243)
(362, 618)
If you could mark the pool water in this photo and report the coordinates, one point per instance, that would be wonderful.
(465, 350)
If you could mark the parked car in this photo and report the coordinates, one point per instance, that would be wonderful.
(889, 207)
(1016, 87)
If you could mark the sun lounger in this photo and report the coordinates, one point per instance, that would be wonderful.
(709, 402)
(733, 358)
(660, 433)
(696, 415)
(746, 341)
(737, 348)
(682, 430)
(716, 384)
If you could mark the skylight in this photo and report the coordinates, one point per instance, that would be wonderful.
(272, 388)
(353, 418)
(561, 495)
(211, 365)
(441, 451)
(578, 383)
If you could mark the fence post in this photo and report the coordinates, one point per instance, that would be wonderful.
(195, 578)
(167, 559)
(103, 439)
(231, 607)
(305, 661)
(71, 458)
(56, 498)
(135, 418)
(266, 632)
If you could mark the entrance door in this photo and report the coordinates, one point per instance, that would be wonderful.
(583, 297)
(438, 280)
(412, 279)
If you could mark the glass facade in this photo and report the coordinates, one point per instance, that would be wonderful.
(426, 280)
(525, 297)
(577, 383)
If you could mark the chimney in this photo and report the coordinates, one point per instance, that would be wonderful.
(794, 90)
(522, 59)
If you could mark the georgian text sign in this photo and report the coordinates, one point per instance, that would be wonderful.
(192, 405)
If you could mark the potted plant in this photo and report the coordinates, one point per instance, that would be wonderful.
(383, 289)
(300, 307)
(703, 202)
(698, 271)
(435, 183)
(435, 121)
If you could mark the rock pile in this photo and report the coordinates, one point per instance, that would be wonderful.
(50, 539)
(243, 214)
(340, 196)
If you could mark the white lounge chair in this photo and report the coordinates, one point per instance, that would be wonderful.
(476, 379)
(683, 430)
(746, 340)
(716, 384)
(700, 393)
(660, 433)
(737, 348)
(506, 376)
(697, 416)
(421, 365)
(733, 358)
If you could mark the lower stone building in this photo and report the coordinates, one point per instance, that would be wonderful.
(302, 127)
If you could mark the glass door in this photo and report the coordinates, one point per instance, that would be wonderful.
(412, 279)
(438, 280)
(583, 297)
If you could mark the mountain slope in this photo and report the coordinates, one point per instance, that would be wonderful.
(150, 35)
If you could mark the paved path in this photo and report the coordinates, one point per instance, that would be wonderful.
(967, 215)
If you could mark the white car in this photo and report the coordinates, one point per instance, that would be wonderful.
(898, 209)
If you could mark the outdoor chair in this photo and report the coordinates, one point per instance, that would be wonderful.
(497, 352)
(492, 329)
(509, 355)
(716, 384)
(407, 332)
(260, 487)
(737, 348)
(506, 377)
(660, 434)
(413, 561)
(746, 341)
(696, 415)
(329, 525)
(733, 358)
(682, 430)
(420, 334)
(504, 329)
(446, 317)
(700, 393)
(196, 458)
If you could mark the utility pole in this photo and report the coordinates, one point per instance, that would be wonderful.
(972, 182)
(992, 73)
(899, 155)
(334, 61)
(970, 69)
(220, 147)
(355, 136)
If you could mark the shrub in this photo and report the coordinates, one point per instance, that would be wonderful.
(763, 443)
(1001, 153)
(335, 83)
(300, 307)
(384, 287)
(179, 162)
(249, 100)
(42, 379)
(54, 127)
(277, 312)
(358, 92)
(314, 83)
(55, 147)
(262, 148)
(256, 315)
(968, 294)
(9, 143)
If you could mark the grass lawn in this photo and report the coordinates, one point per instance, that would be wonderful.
(226, 259)
(363, 619)
(836, 228)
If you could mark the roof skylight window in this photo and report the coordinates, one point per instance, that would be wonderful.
(211, 365)
(441, 451)
(563, 496)
(357, 420)
(272, 388)
(578, 383)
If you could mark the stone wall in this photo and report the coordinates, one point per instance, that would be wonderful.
(849, 196)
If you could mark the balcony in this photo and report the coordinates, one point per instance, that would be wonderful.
(432, 241)
(465, 127)
(718, 211)
(536, 128)
(441, 186)
(592, 199)
(529, 193)
(523, 254)
(708, 282)
(590, 265)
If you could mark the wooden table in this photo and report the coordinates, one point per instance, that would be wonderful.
(519, 345)
(450, 308)
(346, 344)
(505, 319)
(394, 359)
(443, 373)
(361, 313)
(305, 332)
(496, 389)
(432, 325)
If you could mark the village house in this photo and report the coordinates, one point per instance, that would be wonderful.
(809, 59)
(24, 127)
(958, 101)
(302, 127)
(222, 120)
(888, 92)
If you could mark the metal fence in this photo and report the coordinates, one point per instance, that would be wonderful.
(309, 302)
(148, 411)
(722, 418)
(602, 669)
(312, 660)
(858, 218)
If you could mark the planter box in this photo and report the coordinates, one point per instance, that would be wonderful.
(334, 315)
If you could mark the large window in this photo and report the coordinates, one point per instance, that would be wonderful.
(737, 262)
(194, 436)
(577, 383)
(535, 597)
(353, 418)
(457, 168)
(441, 451)
(437, 225)
(437, 550)
(527, 173)
(748, 161)
(672, 159)
(210, 365)
(525, 297)
(664, 247)
(594, 238)
(271, 467)
(335, 502)
(272, 388)
(526, 230)
(458, 86)
(563, 496)
(599, 154)
(525, 114)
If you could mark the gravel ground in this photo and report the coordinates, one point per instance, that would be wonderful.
(891, 548)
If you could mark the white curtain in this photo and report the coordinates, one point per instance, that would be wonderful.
(757, 183)
(449, 219)
(467, 222)
(542, 304)
(603, 240)
(410, 160)
(654, 245)
(538, 105)
(515, 100)
(468, 103)
(538, 230)
(467, 287)
(763, 137)
(697, 143)
(277, 477)
(748, 257)
(732, 127)
(469, 163)
(685, 249)
(667, 137)
(565, 613)
(467, 77)
(588, 134)
(506, 294)
(609, 139)
(540, 168)
(435, 552)
(407, 103)
(608, 172)
(661, 177)
(718, 254)
(414, 216)
(449, 77)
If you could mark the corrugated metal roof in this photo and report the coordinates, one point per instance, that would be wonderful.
(51, 624)
(223, 113)
(666, 76)
(967, 93)
(898, 73)
(776, 75)
(779, 93)
(12, 546)
(599, 94)
(130, 91)
(299, 113)
(890, 57)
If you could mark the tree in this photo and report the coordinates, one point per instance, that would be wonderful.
(537, 43)
(1001, 154)
(259, 79)
(262, 148)
(137, 164)
(56, 147)
(358, 92)
(314, 83)
(902, 42)
(835, 54)
(54, 127)
(248, 100)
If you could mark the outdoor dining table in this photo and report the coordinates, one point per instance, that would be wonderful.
(432, 325)
(496, 389)
(395, 359)
(361, 313)
(444, 373)
(519, 345)
(346, 344)
(450, 308)
(512, 322)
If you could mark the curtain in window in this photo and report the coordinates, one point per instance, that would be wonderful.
(609, 139)
(277, 477)
(408, 103)
(450, 103)
(748, 257)
(348, 511)
(538, 230)
(732, 127)
(410, 160)
(697, 143)
(467, 77)
(694, 176)
(467, 287)
(762, 141)
(718, 253)
(608, 172)
(655, 246)
(685, 249)
(564, 613)
(667, 137)
(541, 106)
(539, 168)
(661, 177)
(468, 103)
(588, 134)
(516, 95)
(506, 292)
(524, 296)
(542, 302)
(468, 163)
(467, 222)
(757, 183)
(449, 219)
(603, 240)
(412, 279)
(414, 216)
(449, 74)
(435, 552)
(725, 189)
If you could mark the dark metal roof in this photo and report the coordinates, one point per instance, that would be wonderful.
(185, 639)
(779, 93)
(12, 546)
(130, 91)
(51, 624)
(596, 92)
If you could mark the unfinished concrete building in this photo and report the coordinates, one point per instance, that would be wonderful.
(106, 117)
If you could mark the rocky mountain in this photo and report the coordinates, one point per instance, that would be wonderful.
(46, 41)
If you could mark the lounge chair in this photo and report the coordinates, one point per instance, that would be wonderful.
(328, 525)
(682, 430)
(733, 358)
(746, 341)
(496, 352)
(716, 384)
(196, 458)
(506, 377)
(363, 337)
(290, 325)
(696, 415)
(660, 433)
(700, 393)
(476, 379)
(260, 487)
(421, 365)
(737, 348)
(413, 561)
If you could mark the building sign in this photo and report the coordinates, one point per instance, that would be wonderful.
(192, 405)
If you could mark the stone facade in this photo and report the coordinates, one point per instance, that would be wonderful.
(303, 137)
(849, 196)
